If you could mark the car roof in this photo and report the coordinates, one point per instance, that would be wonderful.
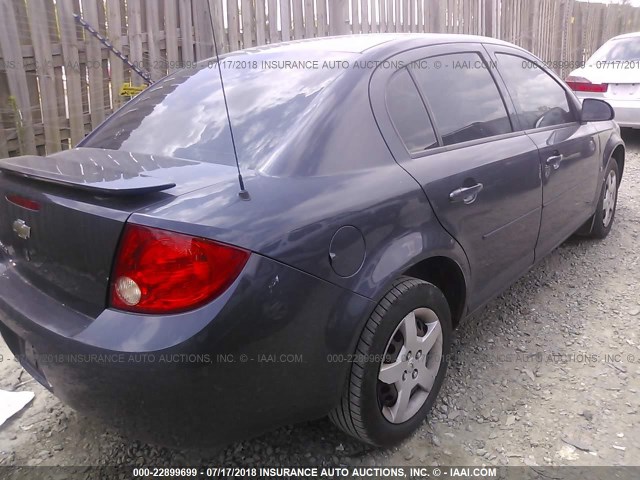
(626, 35)
(369, 43)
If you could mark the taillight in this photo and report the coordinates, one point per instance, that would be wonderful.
(581, 84)
(23, 202)
(157, 271)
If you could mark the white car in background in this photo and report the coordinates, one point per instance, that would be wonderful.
(613, 74)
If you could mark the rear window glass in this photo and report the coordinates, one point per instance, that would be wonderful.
(409, 114)
(617, 50)
(463, 97)
(183, 115)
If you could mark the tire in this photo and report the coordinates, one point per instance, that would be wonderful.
(366, 410)
(603, 219)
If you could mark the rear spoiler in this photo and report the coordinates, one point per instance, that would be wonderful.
(84, 174)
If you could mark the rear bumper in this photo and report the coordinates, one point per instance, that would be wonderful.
(256, 357)
(627, 112)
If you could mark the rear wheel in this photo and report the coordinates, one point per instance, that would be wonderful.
(399, 366)
(602, 220)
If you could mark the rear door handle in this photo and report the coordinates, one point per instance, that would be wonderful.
(554, 161)
(466, 195)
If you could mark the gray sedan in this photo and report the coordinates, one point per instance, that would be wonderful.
(192, 276)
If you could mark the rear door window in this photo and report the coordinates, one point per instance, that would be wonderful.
(408, 113)
(464, 99)
(539, 100)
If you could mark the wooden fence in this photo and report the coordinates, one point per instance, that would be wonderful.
(57, 82)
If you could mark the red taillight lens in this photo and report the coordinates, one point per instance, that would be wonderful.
(158, 271)
(23, 202)
(581, 84)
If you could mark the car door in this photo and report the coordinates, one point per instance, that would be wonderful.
(569, 156)
(448, 124)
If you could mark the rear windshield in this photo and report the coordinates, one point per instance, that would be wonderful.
(618, 50)
(183, 115)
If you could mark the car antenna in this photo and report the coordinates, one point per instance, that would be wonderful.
(243, 193)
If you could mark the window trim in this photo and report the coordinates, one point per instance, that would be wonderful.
(470, 143)
(496, 50)
(426, 109)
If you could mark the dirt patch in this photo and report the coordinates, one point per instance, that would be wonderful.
(547, 374)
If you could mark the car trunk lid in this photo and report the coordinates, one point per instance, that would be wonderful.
(61, 216)
(623, 83)
(624, 91)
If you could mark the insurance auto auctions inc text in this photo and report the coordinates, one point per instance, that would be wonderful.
(354, 472)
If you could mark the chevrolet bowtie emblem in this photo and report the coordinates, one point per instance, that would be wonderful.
(22, 229)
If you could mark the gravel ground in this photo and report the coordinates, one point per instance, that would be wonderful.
(547, 374)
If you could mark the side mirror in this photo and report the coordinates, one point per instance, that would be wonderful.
(594, 110)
